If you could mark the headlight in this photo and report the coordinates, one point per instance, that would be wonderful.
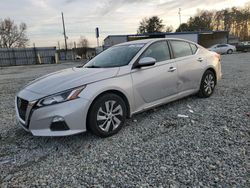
(60, 97)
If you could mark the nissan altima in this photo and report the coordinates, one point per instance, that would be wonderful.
(123, 80)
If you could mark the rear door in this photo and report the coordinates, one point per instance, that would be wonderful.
(158, 81)
(222, 48)
(189, 64)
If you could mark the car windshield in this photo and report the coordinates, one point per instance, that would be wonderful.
(213, 46)
(115, 56)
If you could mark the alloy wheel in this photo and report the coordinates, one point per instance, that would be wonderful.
(109, 116)
(209, 84)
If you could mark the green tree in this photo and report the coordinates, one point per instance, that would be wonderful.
(201, 21)
(183, 27)
(151, 25)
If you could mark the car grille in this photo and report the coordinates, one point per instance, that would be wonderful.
(22, 106)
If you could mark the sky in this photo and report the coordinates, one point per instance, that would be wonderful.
(43, 17)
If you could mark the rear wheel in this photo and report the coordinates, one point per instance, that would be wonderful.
(107, 115)
(230, 51)
(207, 86)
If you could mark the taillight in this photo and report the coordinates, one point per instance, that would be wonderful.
(217, 56)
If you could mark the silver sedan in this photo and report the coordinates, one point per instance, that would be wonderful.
(121, 81)
(223, 48)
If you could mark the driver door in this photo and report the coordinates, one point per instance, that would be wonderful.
(157, 81)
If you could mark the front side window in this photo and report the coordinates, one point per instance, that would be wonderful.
(116, 56)
(181, 48)
(158, 51)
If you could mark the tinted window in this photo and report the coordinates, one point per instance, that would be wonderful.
(181, 48)
(222, 45)
(158, 50)
(115, 56)
(193, 47)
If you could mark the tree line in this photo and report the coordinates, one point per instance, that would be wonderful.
(235, 20)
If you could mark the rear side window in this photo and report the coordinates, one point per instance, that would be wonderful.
(158, 50)
(181, 48)
(222, 45)
(193, 48)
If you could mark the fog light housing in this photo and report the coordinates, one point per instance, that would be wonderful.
(57, 119)
(58, 124)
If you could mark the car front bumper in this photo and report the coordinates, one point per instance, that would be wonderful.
(39, 120)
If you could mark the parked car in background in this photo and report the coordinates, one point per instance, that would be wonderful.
(121, 81)
(243, 46)
(223, 48)
(77, 57)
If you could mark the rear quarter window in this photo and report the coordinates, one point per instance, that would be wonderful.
(181, 48)
(194, 48)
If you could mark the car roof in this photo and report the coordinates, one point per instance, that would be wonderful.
(145, 41)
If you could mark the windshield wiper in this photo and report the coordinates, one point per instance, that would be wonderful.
(79, 66)
(93, 66)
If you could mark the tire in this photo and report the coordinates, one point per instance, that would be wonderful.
(230, 51)
(107, 115)
(207, 85)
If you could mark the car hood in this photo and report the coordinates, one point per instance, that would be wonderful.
(69, 78)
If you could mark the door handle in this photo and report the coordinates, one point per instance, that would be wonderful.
(200, 59)
(171, 69)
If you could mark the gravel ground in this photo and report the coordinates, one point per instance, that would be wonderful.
(156, 148)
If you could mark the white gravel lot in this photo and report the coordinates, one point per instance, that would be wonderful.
(156, 148)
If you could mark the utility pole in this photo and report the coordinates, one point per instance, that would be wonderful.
(75, 50)
(65, 37)
(180, 16)
(97, 35)
(97, 42)
(58, 45)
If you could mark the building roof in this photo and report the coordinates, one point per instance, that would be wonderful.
(164, 33)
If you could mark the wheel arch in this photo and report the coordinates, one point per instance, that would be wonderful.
(213, 70)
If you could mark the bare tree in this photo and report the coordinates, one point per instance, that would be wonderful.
(70, 45)
(236, 20)
(169, 29)
(83, 42)
(82, 45)
(12, 35)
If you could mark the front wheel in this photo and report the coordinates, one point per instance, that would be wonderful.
(107, 115)
(207, 86)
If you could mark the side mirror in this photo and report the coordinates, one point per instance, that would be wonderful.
(146, 61)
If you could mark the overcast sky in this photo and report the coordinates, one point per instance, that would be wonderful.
(43, 17)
